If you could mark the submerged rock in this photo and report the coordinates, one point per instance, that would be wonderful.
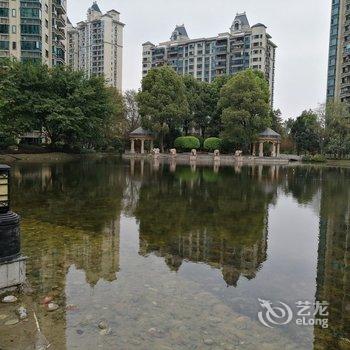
(12, 322)
(9, 299)
(208, 341)
(52, 307)
(22, 313)
(103, 324)
(47, 300)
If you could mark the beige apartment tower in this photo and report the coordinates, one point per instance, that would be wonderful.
(243, 46)
(33, 30)
(95, 46)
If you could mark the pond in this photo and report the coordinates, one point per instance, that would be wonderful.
(149, 256)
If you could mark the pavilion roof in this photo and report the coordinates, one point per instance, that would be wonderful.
(141, 132)
(270, 133)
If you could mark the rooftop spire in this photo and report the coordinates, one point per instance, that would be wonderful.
(95, 7)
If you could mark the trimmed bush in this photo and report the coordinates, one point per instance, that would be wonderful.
(212, 143)
(186, 143)
(317, 158)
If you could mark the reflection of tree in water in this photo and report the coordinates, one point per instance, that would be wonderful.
(302, 182)
(333, 276)
(219, 219)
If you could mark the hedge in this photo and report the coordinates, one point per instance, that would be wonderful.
(212, 144)
(317, 158)
(186, 143)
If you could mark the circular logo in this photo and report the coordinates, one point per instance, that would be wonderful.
(274, 315)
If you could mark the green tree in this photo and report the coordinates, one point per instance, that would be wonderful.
(306, 133)
(131, 109)
(244, 101)
(72, 110)
(336, 120)
(212, 97)
(162, 102)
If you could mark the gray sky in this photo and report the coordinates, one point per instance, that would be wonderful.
(300, 28)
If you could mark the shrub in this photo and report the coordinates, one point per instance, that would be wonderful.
(186, 143)
(6, 141)
(212, 143)
(317, 158)
(307, 158)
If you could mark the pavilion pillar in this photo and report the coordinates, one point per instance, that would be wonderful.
(152, 145)
(278, 149)
(261, 149)
(273, 152)
(254, 150)
(142, 146)
(132, 149)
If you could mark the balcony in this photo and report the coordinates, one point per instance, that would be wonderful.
(60, 21)
(60, 6)
(59, 33)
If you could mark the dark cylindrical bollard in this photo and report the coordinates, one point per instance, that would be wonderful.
(10, 243)
(10, 240)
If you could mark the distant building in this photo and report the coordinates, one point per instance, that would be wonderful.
(338, 84)
(33, 30)
(243, 47)
(95, 46)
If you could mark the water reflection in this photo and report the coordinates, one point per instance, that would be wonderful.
(198, 243)
(204, 218)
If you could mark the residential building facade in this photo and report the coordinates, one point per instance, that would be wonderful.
(95, 46)
(338, 83)
(243, 47)
(33, 30)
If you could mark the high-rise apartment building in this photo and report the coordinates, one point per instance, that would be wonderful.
(95, 46)
(33, 30)
(243, 47)
(338, 84)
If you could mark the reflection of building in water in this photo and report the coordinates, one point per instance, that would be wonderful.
(333, 275)
(232, 257)
(206, 217)
(73, 224)
(98, 256)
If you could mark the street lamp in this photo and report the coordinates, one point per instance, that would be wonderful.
(4, 189)
(10, 242)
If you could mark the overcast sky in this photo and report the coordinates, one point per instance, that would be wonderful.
(300, 28)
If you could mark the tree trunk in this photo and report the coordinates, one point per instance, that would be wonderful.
(161, 142)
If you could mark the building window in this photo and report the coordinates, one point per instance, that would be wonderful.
(4, 12)
(14, 14)
(14, 45)
(4, 29)
(14, 29)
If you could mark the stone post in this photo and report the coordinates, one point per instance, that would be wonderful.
(152, 145)
(142, 146)
(254, 150)
(278, 149)
(132, 149)
(261, 149)
(273, 153)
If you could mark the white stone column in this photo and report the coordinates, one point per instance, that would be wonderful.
(142, 146)
(273, 153)
(254, 149)
(152, 145)
(261, 149)
(132, 149)
(278, 149)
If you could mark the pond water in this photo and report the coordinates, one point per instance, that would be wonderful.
(177, 257)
